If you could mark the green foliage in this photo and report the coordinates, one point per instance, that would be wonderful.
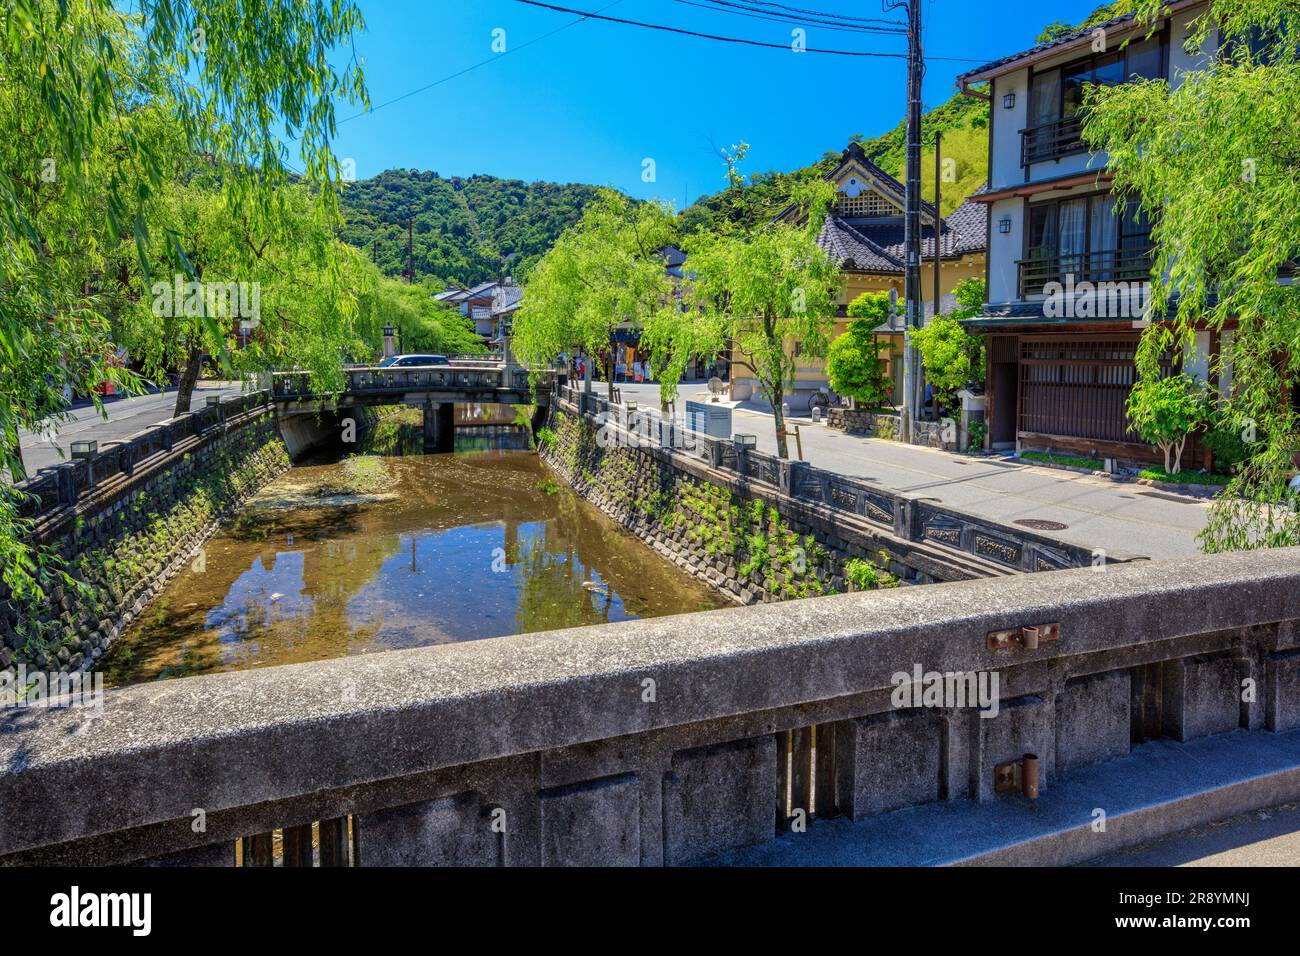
(976, 432)
(1165, 410)
(971, 294)
(763, 290)
(1213, 162)
(870, 305)
(952, 357)
(756, 199)
(462, 227)
(1183, 477)
(104, 108)
(1070, 461)
(547, 439)
(866, 575)
(854, 366)
(603, 272)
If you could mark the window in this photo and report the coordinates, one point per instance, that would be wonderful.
(1084, 238)
(1058, 93)
(864, 205)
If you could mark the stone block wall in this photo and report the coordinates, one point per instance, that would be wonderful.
(744, 546)
(123, 546)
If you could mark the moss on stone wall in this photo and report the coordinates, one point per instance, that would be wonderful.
(119, 557)
(743, 546)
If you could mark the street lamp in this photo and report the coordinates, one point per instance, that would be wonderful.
(84, 449)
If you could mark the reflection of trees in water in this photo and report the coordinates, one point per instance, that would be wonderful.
(551, 574)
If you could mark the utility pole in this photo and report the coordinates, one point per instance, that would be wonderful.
(912, 223)
(938, 220)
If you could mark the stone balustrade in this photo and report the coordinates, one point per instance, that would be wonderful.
(671, 740)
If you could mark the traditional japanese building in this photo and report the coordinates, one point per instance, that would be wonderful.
(1068, 273)
(863, 235)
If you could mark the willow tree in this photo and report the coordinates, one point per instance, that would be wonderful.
(768, 292)
(1215, 162)
(81, 161)
(604, 274)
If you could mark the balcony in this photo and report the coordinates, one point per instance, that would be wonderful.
(1130, 264)
(1051, 140)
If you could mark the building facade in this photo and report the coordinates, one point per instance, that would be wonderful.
(863, 235)
(1068, 265)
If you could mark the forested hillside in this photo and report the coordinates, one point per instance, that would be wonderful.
(462, 227)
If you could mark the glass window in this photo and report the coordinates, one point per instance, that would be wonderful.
(1109, 70)
(1072, 82)
(1042, 230)
(1144, 59)
(1045, 98)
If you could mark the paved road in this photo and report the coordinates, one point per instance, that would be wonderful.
(126, 416)
(1120, 518)
(1261, 838)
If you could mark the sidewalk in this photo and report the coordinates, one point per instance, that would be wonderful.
(126, 416)
(1118, 517)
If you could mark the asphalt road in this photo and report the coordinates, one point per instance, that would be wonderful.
(126, 416)
(1119, 518)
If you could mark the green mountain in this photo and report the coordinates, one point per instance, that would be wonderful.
(461, 228)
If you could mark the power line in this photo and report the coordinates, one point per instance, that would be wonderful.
(752, 12)
(820, 13)
(739, 40)
(474, 66)
(706, 36)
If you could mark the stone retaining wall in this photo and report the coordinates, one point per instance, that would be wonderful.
(122, 543)
(752, 547)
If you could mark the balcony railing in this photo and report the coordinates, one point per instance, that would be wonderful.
(1051, 140)
(1132, 264)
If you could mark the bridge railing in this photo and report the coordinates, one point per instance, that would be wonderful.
(672, 739)
(59, 487)
(904, 515)
(374, 380)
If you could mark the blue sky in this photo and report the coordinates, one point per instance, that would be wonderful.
(592, 102)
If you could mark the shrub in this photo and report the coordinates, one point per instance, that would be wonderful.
(854, 366)
(1165, 411)
(865, 575)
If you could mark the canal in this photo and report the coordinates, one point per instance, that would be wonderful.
(376, 553)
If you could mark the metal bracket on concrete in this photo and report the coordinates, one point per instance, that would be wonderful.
(1027, 637)
(1016, 775)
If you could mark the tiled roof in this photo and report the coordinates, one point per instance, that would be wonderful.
(1063, 40)
(507, 299)
(877, 246)
(850, 249)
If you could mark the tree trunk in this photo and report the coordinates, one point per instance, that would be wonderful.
(1166, 447)
(188, 379)
(1178, 456)
(608, 364)
(778, 416)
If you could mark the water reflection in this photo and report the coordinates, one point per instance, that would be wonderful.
(444, 548)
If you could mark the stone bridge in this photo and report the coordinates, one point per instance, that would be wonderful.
(308, 419)
(1162, 695)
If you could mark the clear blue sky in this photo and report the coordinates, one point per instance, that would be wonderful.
(594, 100)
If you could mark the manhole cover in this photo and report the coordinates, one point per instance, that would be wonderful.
(1041, 524)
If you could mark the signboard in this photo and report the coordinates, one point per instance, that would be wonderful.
(713, 420)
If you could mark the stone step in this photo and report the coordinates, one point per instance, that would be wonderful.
(1161, 787)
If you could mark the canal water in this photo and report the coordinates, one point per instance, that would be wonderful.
(376, 553)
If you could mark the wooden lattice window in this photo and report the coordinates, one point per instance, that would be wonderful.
(864, 205)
